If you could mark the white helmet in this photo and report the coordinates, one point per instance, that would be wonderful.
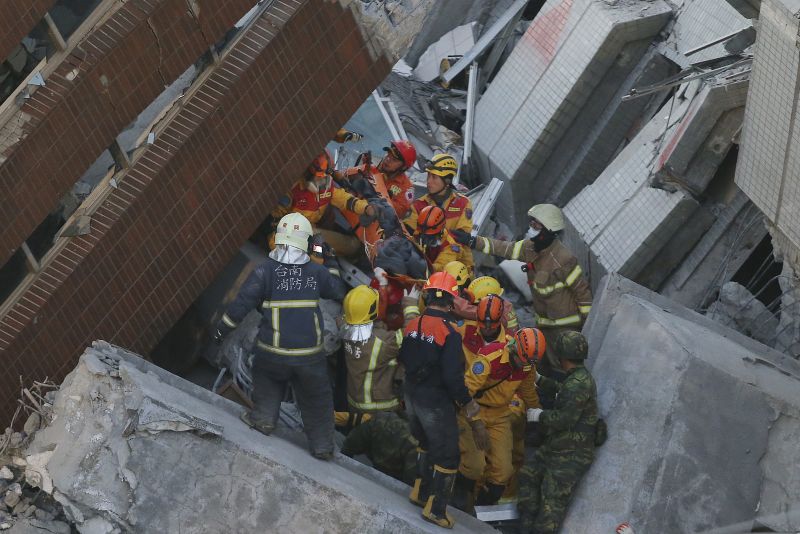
(549, 215)
(294, 230)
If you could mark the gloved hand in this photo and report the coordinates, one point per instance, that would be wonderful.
(472, 409)
(480, 435)
(534, 414)
(463, 237)
(624, 528)
(381, 276)
(412, 293)
(348, 136)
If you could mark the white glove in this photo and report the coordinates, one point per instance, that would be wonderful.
(624, 528)
(413, 292)
(534, 414)
(381, 276)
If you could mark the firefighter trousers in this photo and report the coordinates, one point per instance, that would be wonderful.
(494, 465)
(433, 425)
(312, 393)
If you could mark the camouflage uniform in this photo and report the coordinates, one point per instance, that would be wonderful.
(386, 440)
(548, 479)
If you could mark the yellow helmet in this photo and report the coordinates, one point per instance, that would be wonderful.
(459, 271)
(360, 305)
(443, 165)
(549, 215)
(483, 286)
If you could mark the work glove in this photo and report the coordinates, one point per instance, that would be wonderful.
(381, 276)
(472, 409)
(412, 293)
(624, 528)
(480, 435)
(534, 414)
(463, 237)
(348, 136)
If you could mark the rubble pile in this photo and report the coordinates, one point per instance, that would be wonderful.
(27, 503)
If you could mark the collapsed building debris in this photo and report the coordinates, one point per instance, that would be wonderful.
(703, 422)
(132, 448)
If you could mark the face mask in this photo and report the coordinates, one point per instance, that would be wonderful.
(531, 233)
(289, 255)
(357, 332)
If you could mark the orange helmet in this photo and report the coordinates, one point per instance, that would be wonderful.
(530, 344)
(490, 312)
(321, 165)
(430, 221)
(403, 150)
(442, 282)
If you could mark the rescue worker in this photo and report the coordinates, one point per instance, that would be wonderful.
(434, 387)
(486, 285)
(286, 289)
(503, 368)
(312, 194)
(438, 245)
(562, 297)
(373, 375)
(390, 173)
(442, 169)
(387, 441)
(548, 480)
(518, 420)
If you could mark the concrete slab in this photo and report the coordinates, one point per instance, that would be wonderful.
(548, 82)
(144, 451)
(699, 421)
(455, 42)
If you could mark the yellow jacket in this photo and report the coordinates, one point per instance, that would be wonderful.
(493, 381)
(457, 215)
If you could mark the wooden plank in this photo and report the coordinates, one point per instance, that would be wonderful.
(54, 33)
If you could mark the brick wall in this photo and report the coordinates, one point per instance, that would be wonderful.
(197, 193)
(98, 90)
(17, 19)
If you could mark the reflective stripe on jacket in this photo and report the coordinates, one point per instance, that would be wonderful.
(371, 370)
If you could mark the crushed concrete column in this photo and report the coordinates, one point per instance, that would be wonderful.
(568, 65)
(703, 422)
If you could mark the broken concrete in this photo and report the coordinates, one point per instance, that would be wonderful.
(135, 448)
(555, 75)
(703, 422)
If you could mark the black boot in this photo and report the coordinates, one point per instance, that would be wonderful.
(435, 509)
(421, 489)
(464, 494)
(490, 494)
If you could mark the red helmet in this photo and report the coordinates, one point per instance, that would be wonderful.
(430, 221)
(490, 311)
(321, 165)
(404, 151)
(530, 344)
(442, 282)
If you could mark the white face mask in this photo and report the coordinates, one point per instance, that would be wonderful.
(531, 233)
(289, 255)
(357, 332)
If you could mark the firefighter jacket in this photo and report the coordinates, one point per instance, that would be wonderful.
(448, 251)
(571, 424)
(312, 205)
(493, 381)
(397, 189)
(288, 298)
(372, 370)
(471, 340)
(561, 295)
(433, 359)
(465, 310)
(457, 213)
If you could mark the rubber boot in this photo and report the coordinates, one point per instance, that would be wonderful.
(421, 489)
(464, 494)
(261, 426)
(490, 494)
(435, 509)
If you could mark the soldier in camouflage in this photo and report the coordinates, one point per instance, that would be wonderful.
(387, 441)
(548, 480)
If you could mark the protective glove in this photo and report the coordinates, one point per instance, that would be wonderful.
(472, 409)
(463, 237)
(480, 435)
(381, 276)
(624, 528)
(348, 136)
(534, 414)
(412, 293)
